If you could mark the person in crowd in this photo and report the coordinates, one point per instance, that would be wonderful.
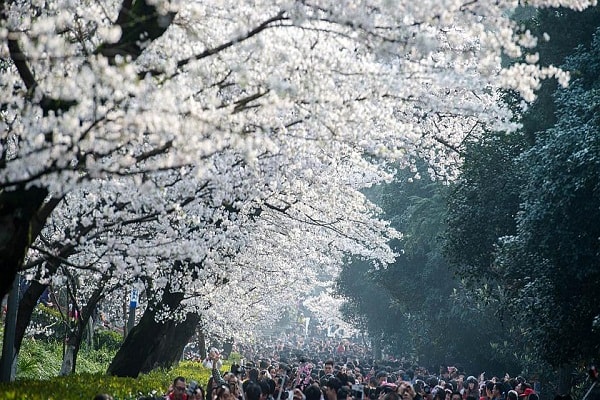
(234, 387)
(344, 393)
(252, 391)
(253, 374)
(527, 392)
(522, 385)
(471, 388)
(385, 388)
(390, 396)
(285, 355)
(272, 371)
(298, 394)
(195, 391)
(328, 368)
(312, 392)
(439, 393)
(266, 392)
(421, 389)
(331, 388)
(358, 377)
(382, 377)
(512, 395)
(221, 392)
(407, 392)
(177, 390)
(213, 356)
(497, 391)
(488, 388)
(264, 374)
(372, 385)
(211, 385)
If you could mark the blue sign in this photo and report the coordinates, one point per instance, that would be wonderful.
(133, 299)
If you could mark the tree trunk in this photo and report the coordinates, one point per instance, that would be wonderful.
(152, 344)
(227, 347)
(23, 214)
(90, 333)
(83, 322)
(26, 306)
(9, 355)
(19, 210)
(68, 363)
(202, 344)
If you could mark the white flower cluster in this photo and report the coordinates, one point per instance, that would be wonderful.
(226, 159)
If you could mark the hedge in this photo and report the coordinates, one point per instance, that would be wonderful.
(86, 386)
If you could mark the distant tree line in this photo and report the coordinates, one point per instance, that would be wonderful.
(499, 270)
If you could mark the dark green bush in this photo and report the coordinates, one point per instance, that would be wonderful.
(110, 340)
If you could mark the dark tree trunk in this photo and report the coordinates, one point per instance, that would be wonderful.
(23, 214)
(152, 344)
(26, 306)
(19, 212)
(83, 321)
(227, 347)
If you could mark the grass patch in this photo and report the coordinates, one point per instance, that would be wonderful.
(39, 364)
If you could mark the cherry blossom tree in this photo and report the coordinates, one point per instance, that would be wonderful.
(203, 148)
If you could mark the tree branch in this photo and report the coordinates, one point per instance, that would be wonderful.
(209, 52)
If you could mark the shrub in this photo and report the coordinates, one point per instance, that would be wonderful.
(39, 359)
(43, 359)
(86, 386)
(110, 340)
(39, 364)
(46, 323)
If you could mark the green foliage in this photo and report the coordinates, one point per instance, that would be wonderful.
(520, 230)
(48, 322)
(39, 365)
(234, 358)
(555, 251)
(39, 359)
(86, 386)
(558, 25)
(482, 206)
(94, 360)
(416, 304)
(523, 219)
(110, 340)
(368, 305)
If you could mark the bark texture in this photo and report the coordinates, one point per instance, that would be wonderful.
(151, 344)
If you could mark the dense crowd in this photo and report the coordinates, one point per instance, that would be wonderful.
(296, 367)
(306, 379)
